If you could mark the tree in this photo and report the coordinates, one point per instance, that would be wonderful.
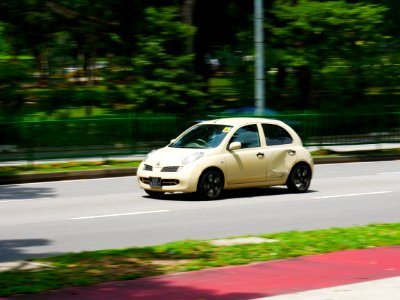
(313, 35)
(162, 80)
(29, 27)
(165, 53)
(4, 44)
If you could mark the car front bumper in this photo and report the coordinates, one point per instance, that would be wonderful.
(184, 179)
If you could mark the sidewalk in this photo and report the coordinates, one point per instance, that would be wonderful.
(356, 274)
(361, 147)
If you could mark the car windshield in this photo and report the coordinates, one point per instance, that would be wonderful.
(202, 136)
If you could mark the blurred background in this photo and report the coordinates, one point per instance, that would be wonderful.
(105, 77)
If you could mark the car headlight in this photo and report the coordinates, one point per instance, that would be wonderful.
(192, 157)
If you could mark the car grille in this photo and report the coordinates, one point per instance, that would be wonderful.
(164, 182)
(148, 168)
(170, 169)
(165, 169)
(169, 182)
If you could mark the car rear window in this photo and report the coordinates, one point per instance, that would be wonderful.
(276, 135)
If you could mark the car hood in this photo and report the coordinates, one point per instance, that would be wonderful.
(169, 156)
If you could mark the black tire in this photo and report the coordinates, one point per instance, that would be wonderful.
(154, 194)
(299, 179)
(211, 185)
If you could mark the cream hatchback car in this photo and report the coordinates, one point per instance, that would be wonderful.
(228, 153)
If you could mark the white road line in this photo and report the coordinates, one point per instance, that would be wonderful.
(120, 215)
(349, 163)
(388, 173)
(351, 195)
(23, 200)
(8, 201)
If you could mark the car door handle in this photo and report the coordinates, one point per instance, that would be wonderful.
(292, 152)
(260, 154)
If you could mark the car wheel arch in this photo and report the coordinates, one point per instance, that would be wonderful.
(211, 168)
(300, 163)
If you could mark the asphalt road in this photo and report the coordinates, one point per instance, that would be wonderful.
(43, 219)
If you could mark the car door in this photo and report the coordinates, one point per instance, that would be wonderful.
(280, 152)
(247, 164)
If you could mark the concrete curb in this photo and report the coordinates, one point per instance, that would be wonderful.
(105, 173)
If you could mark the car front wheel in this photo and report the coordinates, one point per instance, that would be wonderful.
(299, 179)
(211, 184)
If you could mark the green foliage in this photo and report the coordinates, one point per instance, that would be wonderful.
(11, 76)
(163, 61)
(4, 45)
(158, 76)
(238, 66)
(326, 44)
(161, 65)
(312, 32)
(59, 98)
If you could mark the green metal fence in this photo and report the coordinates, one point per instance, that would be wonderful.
(346, 129)
(135, 134)
(30, 140)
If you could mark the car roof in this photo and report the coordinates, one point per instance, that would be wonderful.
(242, 121)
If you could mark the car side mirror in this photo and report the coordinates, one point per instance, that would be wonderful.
(235, 146)
(173, 141)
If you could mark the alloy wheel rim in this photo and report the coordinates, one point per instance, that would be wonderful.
(212, 185)
(302, 178)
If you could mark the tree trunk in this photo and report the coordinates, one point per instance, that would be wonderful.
(304, 82)
(92, 58)
(187, 17)
(41, 65)
(89, 58)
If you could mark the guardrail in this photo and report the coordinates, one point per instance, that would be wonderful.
(136, 134)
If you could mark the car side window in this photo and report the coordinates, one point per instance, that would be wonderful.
(247, 136)
(276, 135)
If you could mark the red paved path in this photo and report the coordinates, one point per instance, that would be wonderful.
(249, 281)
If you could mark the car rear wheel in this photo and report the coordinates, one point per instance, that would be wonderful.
(154, 194)
(299, 179)
(211, 184)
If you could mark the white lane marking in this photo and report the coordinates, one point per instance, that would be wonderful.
(352, 195)
(7, 201)
(120, 215)
(24, 200)
(349, 163)
(388, 173)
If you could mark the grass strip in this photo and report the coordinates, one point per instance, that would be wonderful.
(88, 268)
(67, 166)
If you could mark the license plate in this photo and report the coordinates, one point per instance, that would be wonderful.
(155, 181)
